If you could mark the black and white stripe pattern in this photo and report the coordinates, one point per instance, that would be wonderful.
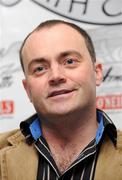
(81, 169)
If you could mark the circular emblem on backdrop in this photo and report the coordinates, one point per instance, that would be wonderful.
(9, 2)
(103, 12)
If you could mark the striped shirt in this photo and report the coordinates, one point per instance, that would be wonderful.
(83, 168)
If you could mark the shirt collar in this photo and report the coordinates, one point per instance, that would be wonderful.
(35, 129)
(31, 128)
(100, 129)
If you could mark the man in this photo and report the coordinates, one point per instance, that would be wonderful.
(68, 138)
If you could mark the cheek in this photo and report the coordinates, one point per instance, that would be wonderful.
(38, 88)
(82, 76)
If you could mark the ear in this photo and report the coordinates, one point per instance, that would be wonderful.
(99, 73)
(27, 89)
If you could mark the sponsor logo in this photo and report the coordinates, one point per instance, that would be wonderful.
(109, 102)
(110, 75)
(6, 107)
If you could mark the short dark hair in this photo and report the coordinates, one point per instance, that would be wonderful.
(51, 23)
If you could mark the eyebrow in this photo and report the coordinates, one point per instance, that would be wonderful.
(36, 61)
(70, 52)
(60, 55)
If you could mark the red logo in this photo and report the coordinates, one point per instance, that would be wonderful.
(6, 107)
(109, 102)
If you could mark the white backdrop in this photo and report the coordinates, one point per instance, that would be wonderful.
(101, 18)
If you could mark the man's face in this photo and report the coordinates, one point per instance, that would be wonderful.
(60, 75)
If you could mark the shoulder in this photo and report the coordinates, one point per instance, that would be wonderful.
(119, 139)
(109, 162)
(11, 138)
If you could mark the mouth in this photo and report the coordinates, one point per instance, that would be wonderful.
(60, 92)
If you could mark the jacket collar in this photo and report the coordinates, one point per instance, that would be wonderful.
(16, 137)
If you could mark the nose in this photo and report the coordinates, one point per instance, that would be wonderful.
(56, 77)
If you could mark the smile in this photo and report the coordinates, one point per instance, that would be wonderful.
(60, 92)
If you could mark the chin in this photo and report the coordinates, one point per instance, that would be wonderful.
(61, 111)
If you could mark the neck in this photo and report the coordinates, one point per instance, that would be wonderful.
(70, 129)
(68, 136)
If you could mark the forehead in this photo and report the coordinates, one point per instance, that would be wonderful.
(54, 32)
(56, 39)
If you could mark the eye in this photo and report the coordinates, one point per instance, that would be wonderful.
(70, 61)
(39, 69)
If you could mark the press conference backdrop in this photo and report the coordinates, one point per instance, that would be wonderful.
(103, 21)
